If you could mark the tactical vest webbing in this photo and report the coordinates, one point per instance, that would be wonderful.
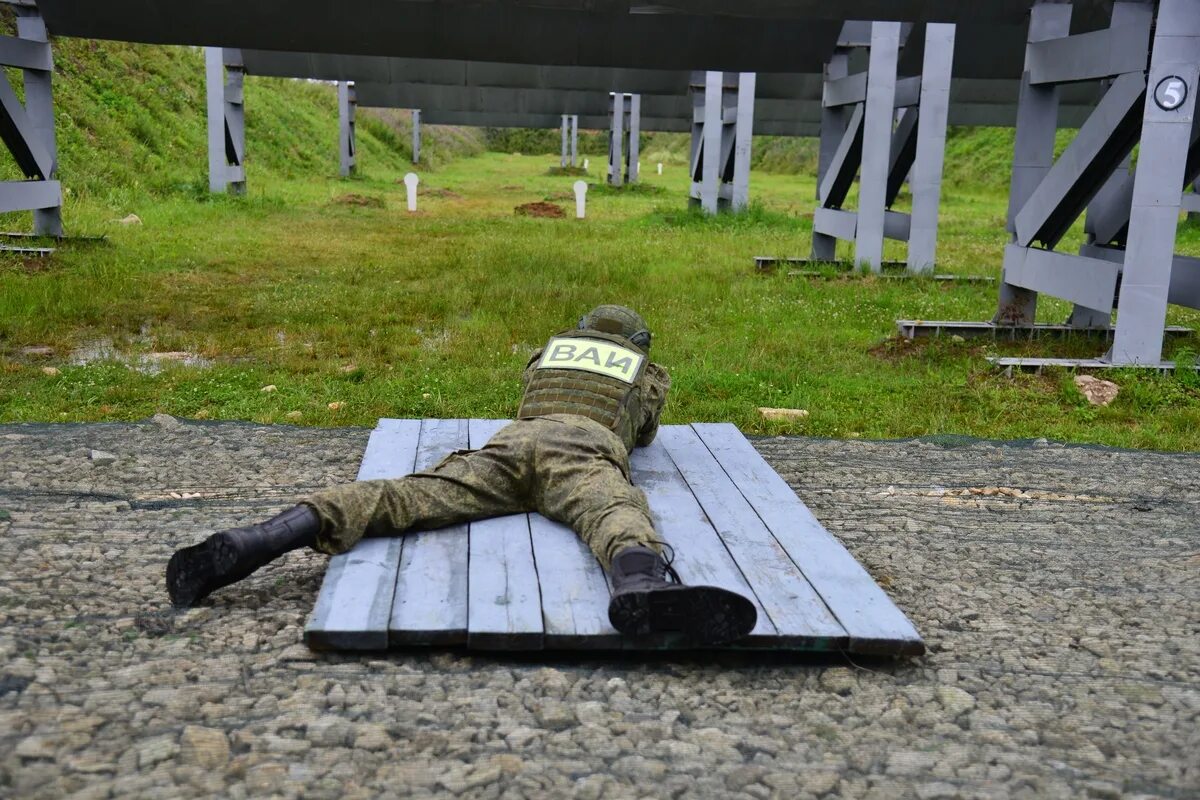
(589, 373)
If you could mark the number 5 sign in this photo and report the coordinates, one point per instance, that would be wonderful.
(1170, 93)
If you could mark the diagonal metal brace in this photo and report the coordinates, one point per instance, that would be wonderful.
(839, 177)
(17, 131)
(1109, 135)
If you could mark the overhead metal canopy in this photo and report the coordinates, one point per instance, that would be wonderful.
(393, 83)
(745, 35)
(551, 104)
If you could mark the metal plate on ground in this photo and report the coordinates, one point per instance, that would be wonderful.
(526, 583)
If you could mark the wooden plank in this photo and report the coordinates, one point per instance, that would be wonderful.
(872, 620)
(797, 610)
(575, 590)
(430, 605)
(504, 603)
(700, 555)
(355, 601)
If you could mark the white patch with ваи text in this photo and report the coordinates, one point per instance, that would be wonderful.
(592, 355)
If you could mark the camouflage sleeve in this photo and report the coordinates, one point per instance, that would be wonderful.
(655, 386)
(528, 373)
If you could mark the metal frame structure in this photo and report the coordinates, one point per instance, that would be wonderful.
(890, 129)
(722, 131)
(225, 78)
(1127, 263)
(347, 144)
(416, 136)
(624, 137)
(28, 130)
(570, 140)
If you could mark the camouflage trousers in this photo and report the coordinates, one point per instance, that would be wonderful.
(566, 467)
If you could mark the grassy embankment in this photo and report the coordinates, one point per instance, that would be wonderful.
(352, 300)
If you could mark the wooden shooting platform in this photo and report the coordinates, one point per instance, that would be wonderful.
(523, 582)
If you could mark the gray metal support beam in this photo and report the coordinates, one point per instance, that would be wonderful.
(933, 112)
(1033, 147)
(616, 136)
(566, 123)
(743, 139)
(226, 120)
(833, 118)
(880, 105)
(1154, 216)
(416, 136)
(710, 184)
(635, 131)
(574, 140)
(347, 144)
(28, 130)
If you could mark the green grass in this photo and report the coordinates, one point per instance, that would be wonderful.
(331, 291)
(435, 313)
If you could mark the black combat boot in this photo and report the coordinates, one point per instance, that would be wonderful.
(644, 602)
(195, 572)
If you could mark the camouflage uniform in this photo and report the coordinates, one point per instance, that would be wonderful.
(567, 457)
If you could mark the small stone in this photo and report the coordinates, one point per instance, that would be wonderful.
(36, 748)
(204, 747)
(955, 700)
(329, 731)
(783, 414)
(590, 788)
(957, 339)
(131, 219)
(520, 737)
(372, 737)
(910, 762)
(336, 405)
(937, 791)
(818, 782)
(156, 750)
(742, 776)
(555, 716)
(1097, 391)
(51, 371)
(166, 421)
(295, 416)
(269, 388)
(838, 680)
(101, 458)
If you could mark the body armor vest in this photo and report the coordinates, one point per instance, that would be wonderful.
(589, 373)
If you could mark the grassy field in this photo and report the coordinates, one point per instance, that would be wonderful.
(331, 292)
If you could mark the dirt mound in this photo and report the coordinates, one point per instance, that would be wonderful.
(358, 200)
(540, 209)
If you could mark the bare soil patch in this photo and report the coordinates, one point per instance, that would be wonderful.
(358, 200)
(540, 209)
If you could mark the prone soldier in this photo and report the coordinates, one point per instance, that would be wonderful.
(591, 396)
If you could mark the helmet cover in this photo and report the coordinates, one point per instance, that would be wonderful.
(621, 320)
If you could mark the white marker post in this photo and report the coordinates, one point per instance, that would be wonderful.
(580, 198)
(660, 168)
(410, 182)
(585, 165)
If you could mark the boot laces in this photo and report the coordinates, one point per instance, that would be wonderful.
(668, 560)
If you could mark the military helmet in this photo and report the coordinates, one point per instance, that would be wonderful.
(620, 320)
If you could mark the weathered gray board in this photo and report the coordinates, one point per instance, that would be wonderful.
(525, 582)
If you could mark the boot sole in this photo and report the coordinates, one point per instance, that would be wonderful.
(704, 615)
(195, 572)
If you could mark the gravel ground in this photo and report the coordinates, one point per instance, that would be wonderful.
(1056, 588)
